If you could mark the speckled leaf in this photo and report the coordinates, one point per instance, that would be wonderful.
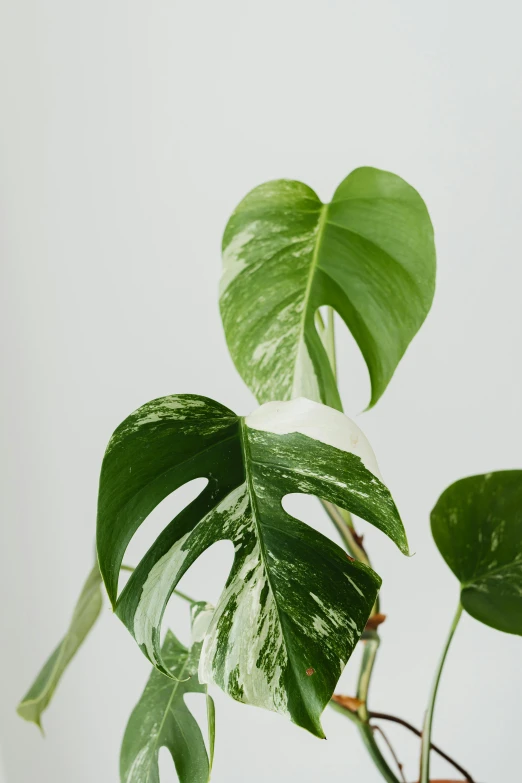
(369, 254)
(477, 526)
(294, 604)
(162, 719)
(89, 605)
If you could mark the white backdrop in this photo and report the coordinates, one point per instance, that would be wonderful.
(129, 131)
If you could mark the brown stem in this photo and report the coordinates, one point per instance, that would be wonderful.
(402, 722)
(400, 766)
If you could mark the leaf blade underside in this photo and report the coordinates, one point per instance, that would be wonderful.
(294, 605)
(85, 614)
(369, 254)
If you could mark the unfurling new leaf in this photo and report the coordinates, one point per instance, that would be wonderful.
(294, 605)
(162, 719)
(477, 526)
(86, 611)
(369, 254)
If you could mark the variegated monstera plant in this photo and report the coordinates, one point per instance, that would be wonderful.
(295, 604)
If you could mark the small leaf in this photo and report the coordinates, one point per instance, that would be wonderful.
(369, 254)
(477, 526)
(162, 719)
(87, 609)
(293, 600)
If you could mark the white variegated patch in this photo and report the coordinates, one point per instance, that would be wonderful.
(250, 669)
(233, 258)
(156, 588)
(201, 622)
(316, 421)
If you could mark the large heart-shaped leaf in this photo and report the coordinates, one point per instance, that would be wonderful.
(477, 526)
(369, 254)
(162, 719)
(294, 604)
(86, 611)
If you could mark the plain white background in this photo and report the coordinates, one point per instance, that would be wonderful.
(129, 131)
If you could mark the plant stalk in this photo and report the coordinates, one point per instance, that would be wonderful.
(366, 732)
(428, 720)
(390, 747)
(342, 520)
(363, 685)
(371, 647)
(330, 340)
(435, 748)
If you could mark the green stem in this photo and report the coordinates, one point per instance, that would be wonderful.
(390, 747)
(184, 596)
(366, 732)
(428, 721)
(363, 685)
(343, 523)
(402, 722)
(342, 520)
(330, 340)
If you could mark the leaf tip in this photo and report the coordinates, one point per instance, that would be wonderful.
(402, 542)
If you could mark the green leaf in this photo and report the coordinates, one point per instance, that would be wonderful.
(294, 604)
(369, 254)
(162, 719)
(86, 611)
(477, 526)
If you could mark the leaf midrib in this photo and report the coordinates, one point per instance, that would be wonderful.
(252, 495)
(175, 686)
(311, 274)
(55, 673)
(247, 459)
(487, 574)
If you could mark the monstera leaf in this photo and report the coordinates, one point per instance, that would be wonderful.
(86, 611)
(162, 719)
(477, 526)
(294, 604)
(369, 254)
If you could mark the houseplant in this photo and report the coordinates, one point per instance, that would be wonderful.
(295, 604)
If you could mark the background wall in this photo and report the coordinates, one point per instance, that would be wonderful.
(129, 132)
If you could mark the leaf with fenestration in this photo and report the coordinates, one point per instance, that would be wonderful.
(369, 254)
(294, 604)
(477, 526)
(87, 609)
(162, 719)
